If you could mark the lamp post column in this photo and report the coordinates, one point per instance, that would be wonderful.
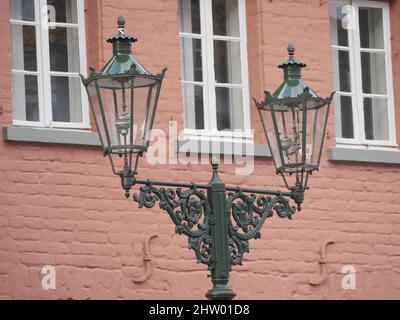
(220, 265)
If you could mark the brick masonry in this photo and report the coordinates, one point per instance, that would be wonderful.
(61, 206)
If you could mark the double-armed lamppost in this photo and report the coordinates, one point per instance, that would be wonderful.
(218, 220)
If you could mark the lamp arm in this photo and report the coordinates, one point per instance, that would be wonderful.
(207, 186)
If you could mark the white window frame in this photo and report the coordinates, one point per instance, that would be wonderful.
(356, 77)
(209, 83)
(43, 72)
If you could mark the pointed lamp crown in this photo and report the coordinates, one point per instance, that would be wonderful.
(122, 60)
(121, 36)
(293, 85)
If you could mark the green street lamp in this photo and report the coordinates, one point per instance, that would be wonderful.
(123, 97)
(294, 119)
(219, 220)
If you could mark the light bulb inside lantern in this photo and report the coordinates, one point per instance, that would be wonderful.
(123, 123)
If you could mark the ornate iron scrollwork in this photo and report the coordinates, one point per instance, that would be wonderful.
(188, 209)
(247, 216)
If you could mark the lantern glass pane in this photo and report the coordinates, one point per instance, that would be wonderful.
(288, 124)
(270, 133)
(95, 102)
(317, 113)
(124, 111)
(127, 109)
(150, 112)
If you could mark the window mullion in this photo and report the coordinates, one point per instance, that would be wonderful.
(83, 60)
(389, 77)
(190, 35)
(244, 67)
(210, 104)
(187, 58)
(39, 61)
(359, 129)
(45, 62)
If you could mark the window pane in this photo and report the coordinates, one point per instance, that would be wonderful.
(191, 59)
(373, 72)
(371, 28)
(376, 121)
(66, 99)
(23, 47)
(25, 97)
(340, 18)
(227, 62)
(194, 106)
(226, 18)
(64, 49)
(22, 10)
(62, 11)
(189, 14)
(346, 111)
(229, 108)
(344, 117)
(342, 74)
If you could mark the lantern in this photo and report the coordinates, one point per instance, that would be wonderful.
(123, 97)
(294, 119)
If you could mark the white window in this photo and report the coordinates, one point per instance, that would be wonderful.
(48, 53)
(360, 38)
(214, 68)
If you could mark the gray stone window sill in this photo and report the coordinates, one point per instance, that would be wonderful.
(89, 138)
(57, 136)
(223, 148)
(367, 155)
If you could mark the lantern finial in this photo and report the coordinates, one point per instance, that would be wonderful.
(121, 22)
(290, 49)
(291, 60)
(121, 36)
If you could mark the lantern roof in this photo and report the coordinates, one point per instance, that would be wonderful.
(122, 63)
(293, 85)
(293, 89)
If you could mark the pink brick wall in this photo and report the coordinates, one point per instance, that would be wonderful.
(61, 206)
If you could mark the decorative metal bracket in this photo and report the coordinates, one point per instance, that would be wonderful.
(248, 214)
(188, 209)
(218, 220)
